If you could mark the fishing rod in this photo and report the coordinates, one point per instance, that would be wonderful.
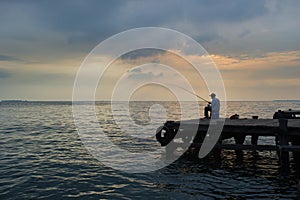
(193, 94)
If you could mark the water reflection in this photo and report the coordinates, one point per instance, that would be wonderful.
(43, 157)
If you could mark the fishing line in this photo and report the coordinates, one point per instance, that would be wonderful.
(192, 93)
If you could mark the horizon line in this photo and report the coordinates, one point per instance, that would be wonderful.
(25, 100)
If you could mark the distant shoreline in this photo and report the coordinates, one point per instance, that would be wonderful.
(13, 101)
(292, 100)
(33, 101)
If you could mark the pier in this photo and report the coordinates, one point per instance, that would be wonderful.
(285, 131)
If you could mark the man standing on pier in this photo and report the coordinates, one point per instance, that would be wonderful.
(215, 106)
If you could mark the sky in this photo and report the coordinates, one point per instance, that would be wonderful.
(254, 44)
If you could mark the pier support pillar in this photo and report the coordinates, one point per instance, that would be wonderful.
(283, 141)
(217, 154)
(254, 139)
(239, 139)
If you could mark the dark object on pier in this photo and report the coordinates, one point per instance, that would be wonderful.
(287, 114)
(165, 134)
(235, 116)
(255, 117)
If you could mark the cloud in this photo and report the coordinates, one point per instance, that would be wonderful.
(139, 74)
(272, 74)
(244, 33)
(271, 61)
(145, 76)
(78, 26)
(251, 41)
(7, 58)
(4, 74)
(91, 21)
(136, 70)
(142, 53)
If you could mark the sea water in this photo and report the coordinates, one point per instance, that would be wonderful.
(42, 156)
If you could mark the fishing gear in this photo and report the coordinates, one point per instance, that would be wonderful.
(193, 94)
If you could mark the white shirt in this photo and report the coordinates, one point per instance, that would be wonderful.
(215, 108)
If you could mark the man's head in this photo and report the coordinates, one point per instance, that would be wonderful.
(212, 95)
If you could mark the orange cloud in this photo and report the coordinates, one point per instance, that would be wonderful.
(271, 73)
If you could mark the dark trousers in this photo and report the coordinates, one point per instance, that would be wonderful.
(206, 110)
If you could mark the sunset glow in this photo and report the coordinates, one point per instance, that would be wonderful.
(256, 52)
